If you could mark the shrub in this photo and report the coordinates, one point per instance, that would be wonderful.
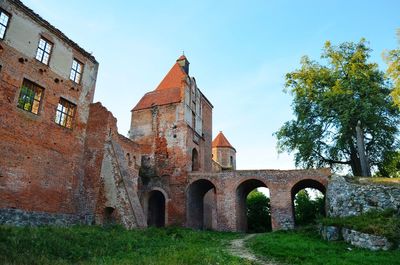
(306, 209)
(258, 212)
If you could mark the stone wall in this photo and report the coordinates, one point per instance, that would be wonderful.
(356, 238)
(20, 217)
(345, 198)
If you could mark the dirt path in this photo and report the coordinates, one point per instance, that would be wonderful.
(239, 249)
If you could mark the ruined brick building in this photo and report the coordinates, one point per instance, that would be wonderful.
(63, 161)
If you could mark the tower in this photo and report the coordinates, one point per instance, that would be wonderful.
(173, 126)
(223, 153)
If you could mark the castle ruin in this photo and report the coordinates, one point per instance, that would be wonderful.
(63, 161)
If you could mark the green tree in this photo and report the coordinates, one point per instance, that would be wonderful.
(392, 58)
(330, 100)
(390, 166)
(258, 212)
(306, 209)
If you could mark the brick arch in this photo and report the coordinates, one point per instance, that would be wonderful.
(201, 204)
(307, 183)
(213, 181)
(155, 207)
(280, 183)
(303, 184)
(242, 190)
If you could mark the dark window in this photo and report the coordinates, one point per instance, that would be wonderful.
(193, 120)
(65, 113)
(76, 71)
(30, 97)
(4, 18)
(195, 160)
(43, 51)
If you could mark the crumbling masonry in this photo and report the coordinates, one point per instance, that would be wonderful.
(63, 161)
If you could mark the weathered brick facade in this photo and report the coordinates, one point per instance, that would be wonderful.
(66, 164)
(41, 161)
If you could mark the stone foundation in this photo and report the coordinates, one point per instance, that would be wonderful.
(364, 240)
(355, 238)
(19, 217)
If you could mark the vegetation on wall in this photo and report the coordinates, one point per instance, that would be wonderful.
(330, 100)
(383, 223)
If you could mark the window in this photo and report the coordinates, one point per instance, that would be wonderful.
(30, 97)
(65, 113)
(195, 160)
(43, 51)
(76, 71)
(4, 18)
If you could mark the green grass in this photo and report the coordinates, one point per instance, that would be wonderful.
(385, 223)
(306, 247)
(376, 180)
(114, 245)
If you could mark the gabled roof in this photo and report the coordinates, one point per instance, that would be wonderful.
(221, 141)
(158, 98)
(168, 91)
(174, 78)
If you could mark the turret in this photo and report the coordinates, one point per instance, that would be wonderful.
(223, 153)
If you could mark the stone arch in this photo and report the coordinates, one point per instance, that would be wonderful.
(242, 190)
(303, 184)
(195, 160)
(201, 205)
(155, 207)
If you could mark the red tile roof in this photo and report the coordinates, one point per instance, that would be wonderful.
(221, 141)
(170, 90)
(174, 78)
(159, 97)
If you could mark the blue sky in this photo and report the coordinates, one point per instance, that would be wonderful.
(239, 52)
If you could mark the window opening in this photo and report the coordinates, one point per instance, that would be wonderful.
(76, 71)
(4, 18)
(65, 113)
(43, 51)
(30, 97)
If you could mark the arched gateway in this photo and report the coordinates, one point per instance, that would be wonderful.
(217, 200)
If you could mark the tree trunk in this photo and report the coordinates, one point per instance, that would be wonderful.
(365, 170)
(354, 161)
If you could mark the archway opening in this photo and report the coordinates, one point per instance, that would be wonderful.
(156, 209)
(308, 201)
(108, 216)
(252, 207)
(201, 205)
(195, 160)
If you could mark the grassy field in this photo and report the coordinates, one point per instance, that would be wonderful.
(114, 245)
(306, 247)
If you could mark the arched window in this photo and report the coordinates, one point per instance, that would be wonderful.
(195, 160)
